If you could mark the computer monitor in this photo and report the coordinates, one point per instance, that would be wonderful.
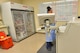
(42, 17)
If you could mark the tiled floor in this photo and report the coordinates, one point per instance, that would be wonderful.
(29, 45)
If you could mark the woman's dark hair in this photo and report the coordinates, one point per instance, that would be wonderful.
(48, 8)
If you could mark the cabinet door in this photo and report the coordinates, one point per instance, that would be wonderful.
(29, 19)
(19, 24)
(69, 41)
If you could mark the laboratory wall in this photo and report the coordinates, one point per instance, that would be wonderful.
(35, 4)
(79, 8)
(2, 1)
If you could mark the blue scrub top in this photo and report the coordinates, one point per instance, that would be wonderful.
(50, 37)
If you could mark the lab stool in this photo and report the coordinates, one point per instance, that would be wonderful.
(6, 42)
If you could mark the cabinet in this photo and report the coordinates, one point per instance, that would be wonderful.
(19, 18)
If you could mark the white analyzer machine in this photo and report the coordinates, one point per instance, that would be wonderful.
(67, 36)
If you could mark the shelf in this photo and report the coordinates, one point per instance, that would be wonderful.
(46, 14)
(3, 26)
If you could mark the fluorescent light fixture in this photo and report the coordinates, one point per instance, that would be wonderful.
(47, 2)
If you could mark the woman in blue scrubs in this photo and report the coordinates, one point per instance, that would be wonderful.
(50, 34)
